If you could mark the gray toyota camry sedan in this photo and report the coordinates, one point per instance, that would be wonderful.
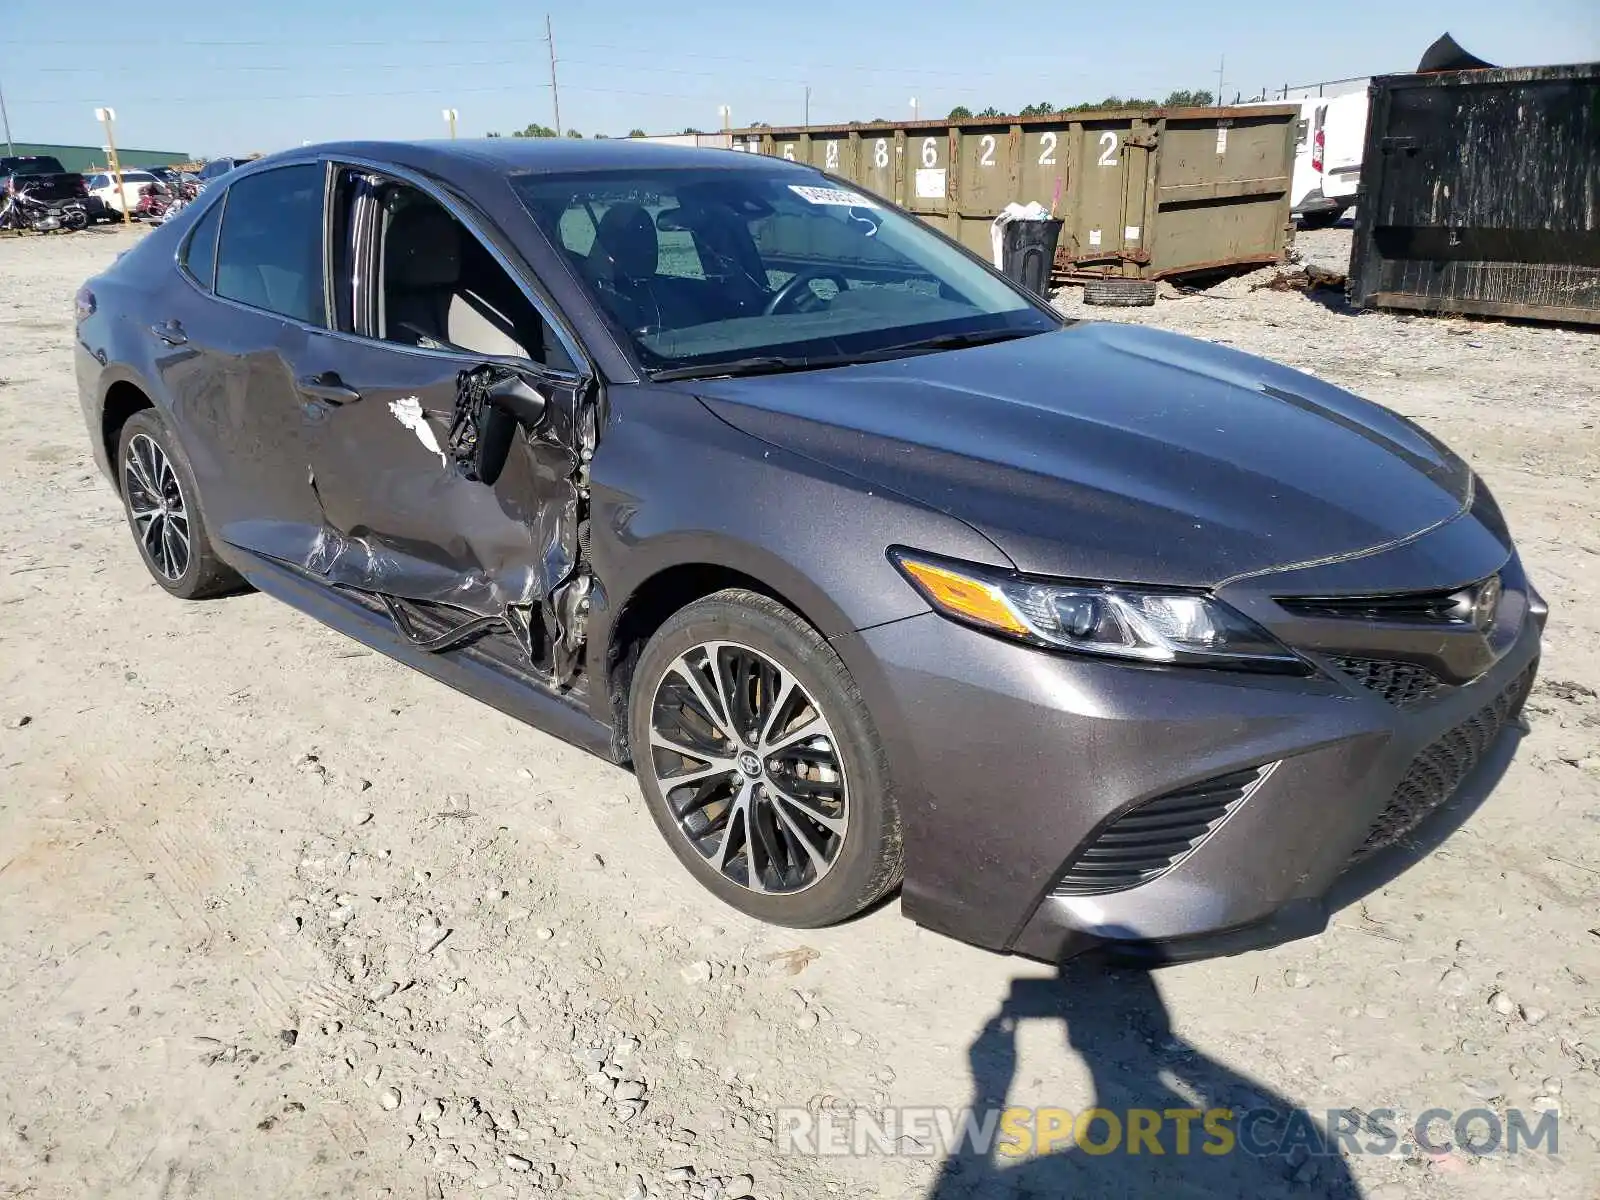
(873, 567)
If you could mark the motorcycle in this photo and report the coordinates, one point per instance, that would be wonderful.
(20, 211)
(187, 190)
(154, 201)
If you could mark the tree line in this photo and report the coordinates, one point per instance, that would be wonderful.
(544, 131)
(1182, 98)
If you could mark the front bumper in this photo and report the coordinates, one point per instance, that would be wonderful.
(1008, 760)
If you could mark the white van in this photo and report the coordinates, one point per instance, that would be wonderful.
(1327, 158)
(1345, 137)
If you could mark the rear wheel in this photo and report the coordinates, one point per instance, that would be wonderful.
(159, 495)
(1321, 220)
(760, 763)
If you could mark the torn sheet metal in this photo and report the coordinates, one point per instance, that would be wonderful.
(414, 512)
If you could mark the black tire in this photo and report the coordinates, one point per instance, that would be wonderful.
(74, 219)
(203, 574)
(867, 857)
(1120, 293)
(1320, 220)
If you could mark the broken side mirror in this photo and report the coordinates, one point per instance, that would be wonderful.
(518, 398)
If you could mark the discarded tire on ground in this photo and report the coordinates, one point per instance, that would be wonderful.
(1120, 293)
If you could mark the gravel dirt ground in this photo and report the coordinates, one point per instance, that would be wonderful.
(281, 918)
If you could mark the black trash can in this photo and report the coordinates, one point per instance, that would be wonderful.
(1028, 251)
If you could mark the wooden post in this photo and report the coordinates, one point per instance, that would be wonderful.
(107, 118)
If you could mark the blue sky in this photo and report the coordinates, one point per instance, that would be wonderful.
(220, 77)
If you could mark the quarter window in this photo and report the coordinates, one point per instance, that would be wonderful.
(200, 251)
(270, 253)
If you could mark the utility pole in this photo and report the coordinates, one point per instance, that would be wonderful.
(913, 108)
(555, 96)
(107, 116)
(5, 117)
(1223, 62)
(450, 116)
(808, 104)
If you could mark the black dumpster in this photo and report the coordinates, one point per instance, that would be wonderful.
(1480, 193)
(1028, 251)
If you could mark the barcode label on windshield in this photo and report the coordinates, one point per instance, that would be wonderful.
(824, 195)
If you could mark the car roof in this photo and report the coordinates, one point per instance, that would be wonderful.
(507, 156)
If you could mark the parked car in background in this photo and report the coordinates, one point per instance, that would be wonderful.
(105, 188)
(217, 167)
(866, 560)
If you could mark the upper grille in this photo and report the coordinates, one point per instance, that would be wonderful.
(1435, 774)
(1434, 608)
(1397, 682)
(1149, 840)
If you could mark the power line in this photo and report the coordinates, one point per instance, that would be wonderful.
(169, 43)
(516, 88)
(144, 69)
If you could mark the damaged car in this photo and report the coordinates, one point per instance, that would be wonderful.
(870, 565)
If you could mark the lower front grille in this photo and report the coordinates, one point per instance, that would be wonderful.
(1397, 682)
(1437, 772)
(1154, 837)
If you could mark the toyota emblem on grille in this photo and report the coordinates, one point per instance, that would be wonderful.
(1487, 603)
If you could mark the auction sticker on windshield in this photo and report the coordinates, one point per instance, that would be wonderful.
(823, 195)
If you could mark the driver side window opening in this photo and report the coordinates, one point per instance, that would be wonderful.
(436, 286)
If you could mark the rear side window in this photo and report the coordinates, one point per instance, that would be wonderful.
(200, 251)
(270, 253)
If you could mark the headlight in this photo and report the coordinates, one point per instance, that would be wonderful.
(1112, 621)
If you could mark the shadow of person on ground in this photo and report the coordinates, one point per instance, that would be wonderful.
(1143, 1073)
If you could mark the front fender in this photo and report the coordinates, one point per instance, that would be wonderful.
(674, 485)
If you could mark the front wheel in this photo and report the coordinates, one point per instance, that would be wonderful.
(761, 765)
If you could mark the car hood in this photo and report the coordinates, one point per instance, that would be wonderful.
(1118, 452)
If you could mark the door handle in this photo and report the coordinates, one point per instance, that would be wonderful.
(170, 332)
(328, 388)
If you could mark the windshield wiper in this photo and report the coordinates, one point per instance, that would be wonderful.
(777, 364)
(951, 341)
(766, 364)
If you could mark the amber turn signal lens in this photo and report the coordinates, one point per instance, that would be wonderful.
(962, 596)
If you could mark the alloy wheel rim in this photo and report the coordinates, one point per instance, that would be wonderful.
(750, 768)
(156, 504)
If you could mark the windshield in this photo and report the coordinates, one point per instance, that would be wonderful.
(706, 267)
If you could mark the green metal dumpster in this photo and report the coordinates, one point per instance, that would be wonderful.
(1142, 194)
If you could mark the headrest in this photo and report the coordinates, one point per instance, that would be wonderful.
(422, 249)
(627, 236)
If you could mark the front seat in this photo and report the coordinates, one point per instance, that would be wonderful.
(425, 300)
(623, 263)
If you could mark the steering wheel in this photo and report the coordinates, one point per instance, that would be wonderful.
(790, 292)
